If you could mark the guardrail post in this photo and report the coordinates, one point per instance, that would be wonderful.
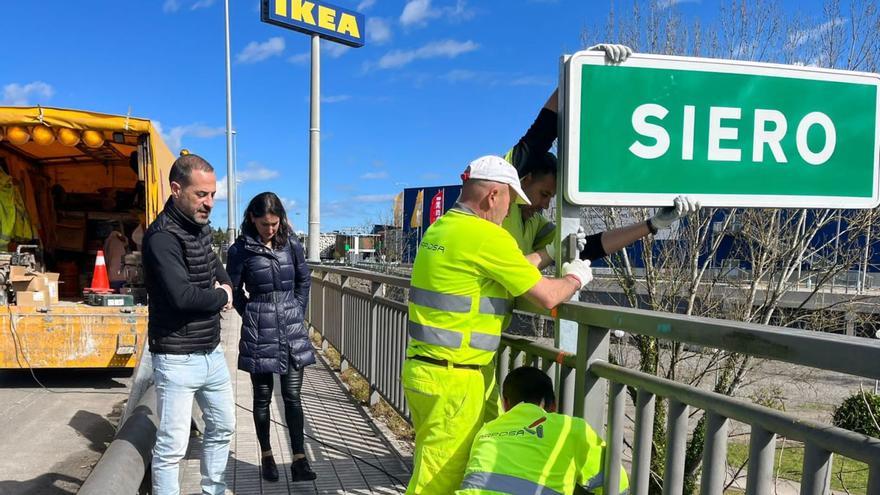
(343, 361)
(376, 290)
(325, 279)
(616, 405)
(643, 437)
(762, 449)
(676, 442)
(874, 479)
(590, 391)
(816, 479)
(714, 455)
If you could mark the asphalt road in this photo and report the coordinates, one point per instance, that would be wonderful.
(51, 437)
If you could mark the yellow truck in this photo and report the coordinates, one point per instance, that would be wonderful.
(69, 181)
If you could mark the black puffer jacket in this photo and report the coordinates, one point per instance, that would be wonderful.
(181, 269)
(277, 282)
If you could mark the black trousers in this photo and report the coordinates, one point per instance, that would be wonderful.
(291, 385)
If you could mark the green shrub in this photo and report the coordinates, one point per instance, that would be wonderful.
(854, 414)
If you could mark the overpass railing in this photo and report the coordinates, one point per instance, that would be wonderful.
(364, 315)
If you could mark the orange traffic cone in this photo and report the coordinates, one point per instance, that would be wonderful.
(100, 280)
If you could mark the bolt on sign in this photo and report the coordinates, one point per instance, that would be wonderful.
(728, 133)
(327, 21)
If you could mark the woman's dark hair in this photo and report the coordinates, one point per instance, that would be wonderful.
(266, 203)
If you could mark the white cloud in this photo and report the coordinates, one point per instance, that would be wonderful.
(378, 30)
(256, 171)
(289, 205)
(20, 95)
(365, 4)
(375, 175)
(257, 52)
(798, 38)
(201, 4)
(490, 78)
(417, 12)
(300, 58)
(333, 49)
(174, 137)
(335, 98)
(170, 6)
(221, 190)
(665, 4)
(436, 49)
(328, 49)
(373, 198)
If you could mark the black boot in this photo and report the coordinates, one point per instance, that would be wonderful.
(301, 470)
(269, 469)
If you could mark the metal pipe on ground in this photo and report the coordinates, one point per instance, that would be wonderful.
(125, 462)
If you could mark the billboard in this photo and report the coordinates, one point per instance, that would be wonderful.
(422, 206)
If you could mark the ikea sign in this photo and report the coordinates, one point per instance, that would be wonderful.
(316, 17)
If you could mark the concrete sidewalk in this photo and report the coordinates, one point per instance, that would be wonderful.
(337, 430)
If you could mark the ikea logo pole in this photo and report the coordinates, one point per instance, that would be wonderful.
(319, 20)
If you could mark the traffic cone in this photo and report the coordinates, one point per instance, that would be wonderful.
(100, 280)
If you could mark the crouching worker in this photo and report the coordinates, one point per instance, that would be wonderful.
(530, 449)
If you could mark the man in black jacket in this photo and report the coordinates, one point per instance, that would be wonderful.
(188, 287)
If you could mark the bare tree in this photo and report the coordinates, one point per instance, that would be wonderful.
(739, 263)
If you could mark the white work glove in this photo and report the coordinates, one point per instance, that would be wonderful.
(579, 269)
(614, 53)
(682, 206)
(581, 244)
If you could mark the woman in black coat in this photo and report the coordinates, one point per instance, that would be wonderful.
(267, 261)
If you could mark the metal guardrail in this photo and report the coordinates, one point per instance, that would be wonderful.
(369, 330)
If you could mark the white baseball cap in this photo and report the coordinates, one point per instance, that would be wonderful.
(496, 169)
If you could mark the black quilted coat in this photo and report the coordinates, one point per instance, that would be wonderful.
(277, 282)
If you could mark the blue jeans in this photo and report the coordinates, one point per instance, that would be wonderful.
(179, 378)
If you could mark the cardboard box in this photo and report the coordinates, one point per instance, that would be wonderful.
(31, 284)
(39, 299)
(51, 280)
(19, 274)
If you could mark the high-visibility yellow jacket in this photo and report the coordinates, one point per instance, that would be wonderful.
(465, 276)
(530, 451)
(15, 224)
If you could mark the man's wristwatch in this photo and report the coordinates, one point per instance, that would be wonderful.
(651, 227)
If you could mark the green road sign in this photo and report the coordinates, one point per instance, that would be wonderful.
(727, 133)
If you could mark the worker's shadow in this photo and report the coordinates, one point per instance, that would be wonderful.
(44, 484)
(94, 428)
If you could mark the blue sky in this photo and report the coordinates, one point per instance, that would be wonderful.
(438, 83)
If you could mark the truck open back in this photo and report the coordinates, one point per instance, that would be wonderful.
(79, 178)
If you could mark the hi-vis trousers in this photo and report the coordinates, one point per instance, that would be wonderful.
(446, 405)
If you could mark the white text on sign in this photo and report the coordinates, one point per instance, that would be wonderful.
(719, 132)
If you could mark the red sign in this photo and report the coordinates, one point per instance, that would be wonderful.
(436, 206)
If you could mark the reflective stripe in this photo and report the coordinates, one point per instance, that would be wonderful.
(505, 484)
(496, 306)
(595, 481)
(545, 230)
(434, 335)
(485, 341)
(437, 300)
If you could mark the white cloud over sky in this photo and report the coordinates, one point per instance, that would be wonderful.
(174, 137)
(257, 52)
(256, 171)
(378, 30)
(417, 13)
(26, 94)
(436, 49)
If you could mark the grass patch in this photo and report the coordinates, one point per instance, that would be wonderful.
(395, 422)
(358, 387)
(846, 474)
